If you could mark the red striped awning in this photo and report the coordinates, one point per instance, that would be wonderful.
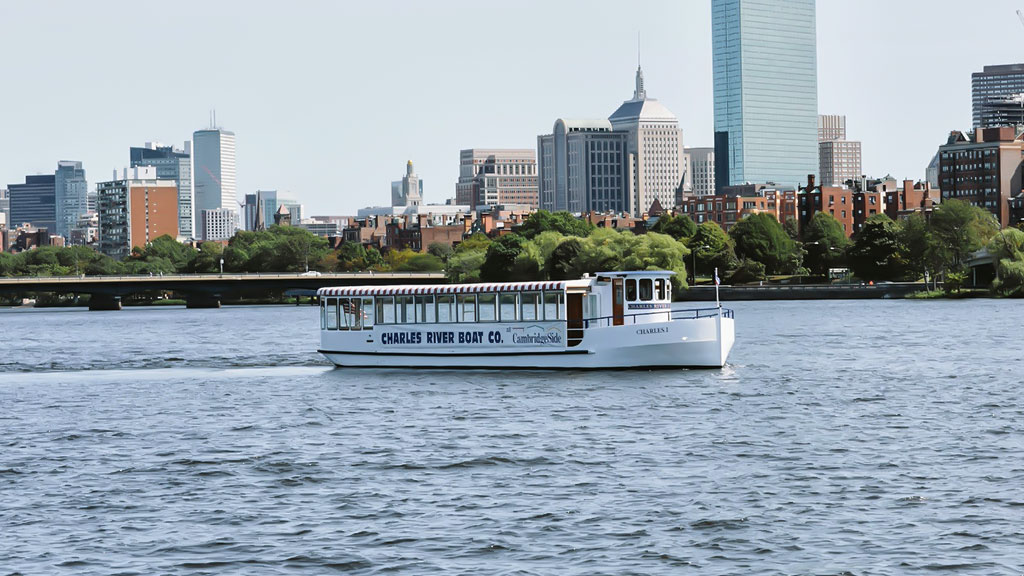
(440, 289)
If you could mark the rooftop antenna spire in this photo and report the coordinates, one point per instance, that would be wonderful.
(639, 93)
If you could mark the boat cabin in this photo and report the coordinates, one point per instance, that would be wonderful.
(602, 300)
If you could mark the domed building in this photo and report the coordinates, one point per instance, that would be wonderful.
(622, 164)
(656, 144)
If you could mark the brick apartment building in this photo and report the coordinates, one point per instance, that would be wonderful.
(983, 168)
(732, 203)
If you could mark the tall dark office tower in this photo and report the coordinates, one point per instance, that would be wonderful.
(34, 202)
(997, 96)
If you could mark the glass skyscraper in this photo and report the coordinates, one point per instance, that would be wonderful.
(766, 91)
(171, 164)
(213, 174)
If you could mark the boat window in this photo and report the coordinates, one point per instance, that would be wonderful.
(350, 314)
(488, 307)
(323, 314)
(467, 307)
(659, 288)
(646, 289)
(367, 313)
(668, 290)
(332, 313)
(531, 306)
(342, 303)
(508, 307)
(445, 308)
(385, 309)
(405, 310)
(425, 310)
(553, 305)
(631, 290)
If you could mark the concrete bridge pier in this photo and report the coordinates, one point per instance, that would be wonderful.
(202, 301)
(104, 302)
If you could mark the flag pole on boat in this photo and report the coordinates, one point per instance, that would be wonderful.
(717, 282)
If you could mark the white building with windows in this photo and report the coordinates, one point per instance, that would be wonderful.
(701, 167)
(213, 173)
(656, 145)
(219, 223)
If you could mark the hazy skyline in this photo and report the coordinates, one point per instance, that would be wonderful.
(329, 100)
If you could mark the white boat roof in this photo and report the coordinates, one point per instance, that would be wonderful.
(453, 288)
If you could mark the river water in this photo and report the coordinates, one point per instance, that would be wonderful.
(870, 437)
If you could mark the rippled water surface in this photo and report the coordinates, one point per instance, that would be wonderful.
(880, 437)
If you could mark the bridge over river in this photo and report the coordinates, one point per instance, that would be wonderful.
(205, 290)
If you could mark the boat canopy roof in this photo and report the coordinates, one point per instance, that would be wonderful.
(454, 288)
(637, 274)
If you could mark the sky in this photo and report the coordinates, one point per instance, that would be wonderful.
(328, 100)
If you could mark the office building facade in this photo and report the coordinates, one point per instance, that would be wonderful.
(172, 164)
(583, 166)
(985, 171)
(765, 91)
(135, 208)
(997, 96)
(701, 166)
(839, 159)
(33, 202)
(71, 196)
(488, 177)
(655, 147)
(213, 168)
(219, 223)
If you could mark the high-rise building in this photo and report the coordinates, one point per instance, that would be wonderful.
(831, 127)
(702, 170)
(839, 159)
(213, 168)
(259, 209)
(997, 96)
(172, 164)
(71, 196)
(497, 176)
(583, 166)
(34, 202)
(984, 171)
(409, 192)
(134, 209)
(4, 210)
(219, 223)
(655, 144)
(766, 91)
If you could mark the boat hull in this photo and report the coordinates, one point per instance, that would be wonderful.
(691, 343)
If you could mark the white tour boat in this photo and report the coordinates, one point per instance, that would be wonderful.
(608, 320)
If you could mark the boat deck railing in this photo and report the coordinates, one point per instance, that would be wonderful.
(673, 314)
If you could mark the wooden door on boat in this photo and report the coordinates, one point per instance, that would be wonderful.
(574, 318)
(618, 298)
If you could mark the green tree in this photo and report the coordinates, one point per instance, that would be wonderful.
(351, 257)
(825, 243)
(792, 228)
(918, 247)
(499, 265)
(207, 261)
(679, 227)
(877, 252)
(713, 248)
(562, 263)
(561, 222)
(440, 250)
(958, 229)
(746, 271)
(422, 263)
(1007, 247)
(760, 237)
